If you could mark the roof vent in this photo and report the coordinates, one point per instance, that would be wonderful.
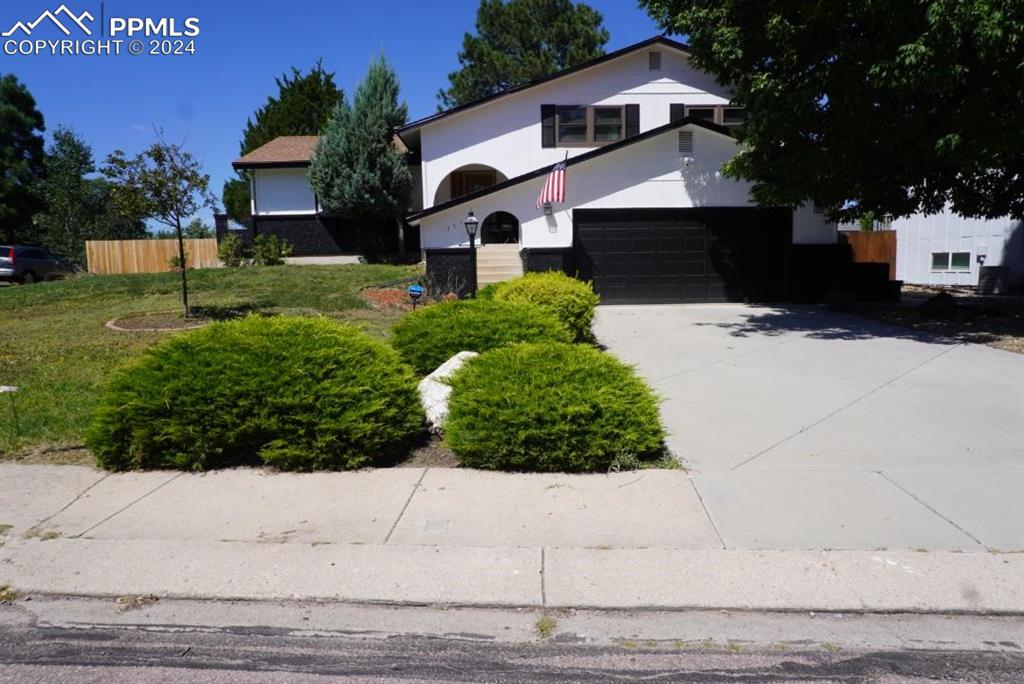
(686, 143)
(654, 61)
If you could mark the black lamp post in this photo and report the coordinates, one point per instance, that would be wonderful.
(472, 223)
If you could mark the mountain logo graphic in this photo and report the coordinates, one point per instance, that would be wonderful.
(63, 10)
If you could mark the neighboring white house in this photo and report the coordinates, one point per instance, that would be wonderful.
(946, 249)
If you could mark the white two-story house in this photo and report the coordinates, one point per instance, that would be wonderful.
(647, 216)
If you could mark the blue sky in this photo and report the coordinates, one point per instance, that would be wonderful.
(205, 98)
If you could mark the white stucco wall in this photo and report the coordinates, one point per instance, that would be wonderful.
(282, 191)
(506, 133)
(649, 173)
(918, 236)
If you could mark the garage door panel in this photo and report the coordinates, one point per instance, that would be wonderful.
(683, 255)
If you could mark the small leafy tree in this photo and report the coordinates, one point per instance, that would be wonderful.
(21, 158)
(166, 184)
(356, 170)
(303, 106)
(520, 40)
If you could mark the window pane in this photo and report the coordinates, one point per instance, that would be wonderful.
(572, 124)
(940, 261)
(706, 113)
(961, 261)
(733, 116)
(607, 124)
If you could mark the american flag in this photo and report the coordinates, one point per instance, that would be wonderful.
(554, 186)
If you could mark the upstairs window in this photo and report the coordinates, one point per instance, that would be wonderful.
(723, 116)
(590, 126)
(572, 124)
(733, 116)
(607, 124)
(705, 113)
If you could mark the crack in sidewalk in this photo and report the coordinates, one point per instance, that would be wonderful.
(71, 503)
(415, 488)
(844, 407)
(129, 505)
(913, 496)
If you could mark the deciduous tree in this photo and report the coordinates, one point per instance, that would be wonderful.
(166, 184)
(520, 40)
(871, 106)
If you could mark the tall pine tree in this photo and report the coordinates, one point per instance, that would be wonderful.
(520, 40)
(303, 106)
(21, 158)
(356, 171)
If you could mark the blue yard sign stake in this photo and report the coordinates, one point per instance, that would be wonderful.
(415, 293)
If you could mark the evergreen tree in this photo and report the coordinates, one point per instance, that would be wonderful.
(21, 158)
(303, 105)
(356, 171)
(520, 40)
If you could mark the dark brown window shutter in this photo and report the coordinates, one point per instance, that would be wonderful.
(547, 125)
(675, 112)
(632, 120)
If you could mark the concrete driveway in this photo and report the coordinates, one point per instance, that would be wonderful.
(804, 428)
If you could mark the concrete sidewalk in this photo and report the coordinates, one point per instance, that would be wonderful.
(443, 536)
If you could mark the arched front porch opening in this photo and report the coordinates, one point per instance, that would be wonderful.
(466, 179)
(499, 228)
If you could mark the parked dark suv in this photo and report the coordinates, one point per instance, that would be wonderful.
(31, 263)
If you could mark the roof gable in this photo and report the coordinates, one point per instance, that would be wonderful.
(650, 42)
(287, 150)
(571, 161)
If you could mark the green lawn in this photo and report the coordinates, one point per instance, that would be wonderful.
(54, 346)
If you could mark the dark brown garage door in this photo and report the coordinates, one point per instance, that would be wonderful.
(642, 256)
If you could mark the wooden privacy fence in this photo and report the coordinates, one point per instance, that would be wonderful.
(876, 246)
(147, 256)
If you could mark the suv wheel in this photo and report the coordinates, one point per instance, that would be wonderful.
(28, 277)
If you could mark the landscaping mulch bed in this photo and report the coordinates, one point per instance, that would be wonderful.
(432, 454)
(993, 320)
(387, 299)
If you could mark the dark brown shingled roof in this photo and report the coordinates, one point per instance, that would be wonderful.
(288, 150)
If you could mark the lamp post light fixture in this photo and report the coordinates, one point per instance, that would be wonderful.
(472, 224)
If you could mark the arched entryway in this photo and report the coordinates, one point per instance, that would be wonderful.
(500, 228)
(467, 179)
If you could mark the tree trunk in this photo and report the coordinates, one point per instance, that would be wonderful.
(181, 266)
(401, 240)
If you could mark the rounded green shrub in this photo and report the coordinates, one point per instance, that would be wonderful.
(295, 393)
(551, 408)
(572, 301)
(430, 336)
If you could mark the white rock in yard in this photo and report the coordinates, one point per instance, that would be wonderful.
(434, 391)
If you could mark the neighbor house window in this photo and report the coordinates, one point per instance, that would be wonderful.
(951, 261)
(578, 125)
